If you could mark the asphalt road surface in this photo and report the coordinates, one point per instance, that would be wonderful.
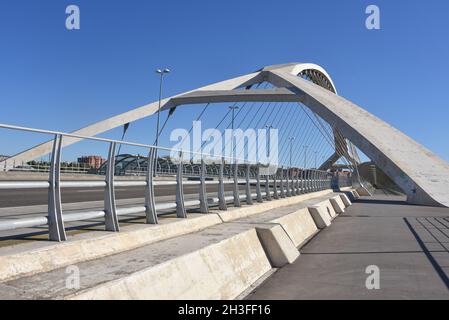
(33, 197)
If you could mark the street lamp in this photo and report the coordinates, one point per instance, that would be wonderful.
(316, 160)
(161, 73)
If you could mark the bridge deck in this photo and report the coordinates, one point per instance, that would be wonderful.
(410, 245)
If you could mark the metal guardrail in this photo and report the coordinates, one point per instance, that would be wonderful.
(285, 183)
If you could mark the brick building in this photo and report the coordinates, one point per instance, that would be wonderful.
(92, 161)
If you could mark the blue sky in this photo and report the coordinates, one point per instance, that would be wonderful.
(57, 79)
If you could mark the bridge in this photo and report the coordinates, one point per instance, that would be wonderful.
(228, 226)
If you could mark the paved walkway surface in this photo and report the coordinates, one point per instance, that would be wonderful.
(409, 245)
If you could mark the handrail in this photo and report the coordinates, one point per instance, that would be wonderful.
(286, 182)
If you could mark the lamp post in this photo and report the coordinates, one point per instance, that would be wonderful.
(316, 160)
(161, 73)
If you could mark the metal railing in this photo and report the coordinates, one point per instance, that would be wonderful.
(287, 182)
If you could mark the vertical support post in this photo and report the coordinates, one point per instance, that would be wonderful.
(282, 183)
(313, 181)
(298, 192)
(236, 186)
(204, 208)
(221, 193)
(258, 191)
(275, 186)
(318, 179)
(249, 197)
(293, 182)
(180, 209)
(309, 181)
(306, 181)
(267, 188)
(322, 181)
(110, 209)
(150, 205)
(56, 228)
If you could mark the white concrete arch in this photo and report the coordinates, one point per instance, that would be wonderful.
(422, 175)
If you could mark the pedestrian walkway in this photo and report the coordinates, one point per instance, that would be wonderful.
(409, 245)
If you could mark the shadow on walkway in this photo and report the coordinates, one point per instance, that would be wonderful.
(432, 234)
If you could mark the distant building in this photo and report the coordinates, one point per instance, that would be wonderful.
(3, 157)
(92, 161)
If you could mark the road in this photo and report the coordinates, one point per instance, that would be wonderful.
(28, 203)
(33, 197)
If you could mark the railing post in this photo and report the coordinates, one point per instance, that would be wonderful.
(150, 212)
(282, 183)
(313, 181)
(110, 210)
(267, 188)
(249, 198)
(304, 181)
(289, 191)
(258, 191)
(298, 192)
(310, 188)
(236, 186)
(309, 181)
(319, 180)
(204, 208)
(221, 193)
(180, 209)
(275, 186)
(56, 228)
(323, 186)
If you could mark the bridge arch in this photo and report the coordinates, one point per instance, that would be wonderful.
(423, 176)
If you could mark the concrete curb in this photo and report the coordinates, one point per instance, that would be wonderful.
(24, 260)
(299, 226)
(337, 204)
(277, 245)
(218, 271)
(345, 199)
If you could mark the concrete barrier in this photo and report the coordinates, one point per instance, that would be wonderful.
(362, 191)
(299, 225)
(214, 261)
(322, 213)
(277, 245)
(352, 195)
(345, 200)
(337, 204)
(31, 258)
(218, 271)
